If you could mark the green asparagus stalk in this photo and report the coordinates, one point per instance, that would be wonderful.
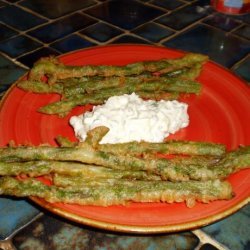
(121, 192)
(80, 181)
(63, 107)
(89, 84)
(66, 105)
(185, 72)
(68, 82)
(234, 161)
(40, 87)
(86, 154)
(55, 70)
(168, 147)
(177, 169)
(135, 83)
(32, 168)
(74, 86)
(65, 142)
(99, 83)
(40, 168)
(183, 173)
(131, 84)
(239, 157)
(95, 135)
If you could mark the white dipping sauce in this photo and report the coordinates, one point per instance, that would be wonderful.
(130, 118)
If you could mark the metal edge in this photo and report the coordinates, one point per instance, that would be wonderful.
(25, 225)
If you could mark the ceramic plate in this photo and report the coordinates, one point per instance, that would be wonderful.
(220, 114)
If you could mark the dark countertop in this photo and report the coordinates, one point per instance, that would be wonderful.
(32, 29)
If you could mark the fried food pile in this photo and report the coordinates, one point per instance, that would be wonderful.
(89, 173)
(163, 79)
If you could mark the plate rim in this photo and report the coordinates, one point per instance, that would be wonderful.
(140, 229)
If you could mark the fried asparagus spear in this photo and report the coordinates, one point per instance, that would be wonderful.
(172, 171)
(174, 147)
(185, 72)
(167, 169)
(234, 161)
(40, 87)
(95, 135)
(74, 86)
(86, 154)
(169, 147)
(63, 141)
(58, 87)
(73, 100)
(121, 192)
(176, 76)
(176, 169)
(63, 107)
(135, 83)
(40, 168)
(66, 105)
(55, 70)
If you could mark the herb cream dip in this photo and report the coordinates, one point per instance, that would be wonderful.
(130, 118)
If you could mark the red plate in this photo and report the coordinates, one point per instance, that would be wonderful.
(220, 114)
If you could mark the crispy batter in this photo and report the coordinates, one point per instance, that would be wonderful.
(120, 192)
(163, 79)
(56, 70)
